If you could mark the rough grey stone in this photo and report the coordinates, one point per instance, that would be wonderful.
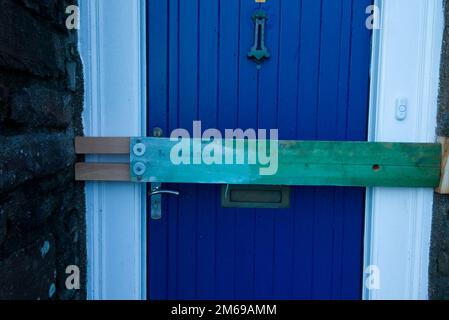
(443, 263)
(42, 222)
(52, 11)
(439, 250)
(3, 99)
(40, 106)
(27, 45)
(443, 112)
(28, 273)
(32, 156)
(3, 225)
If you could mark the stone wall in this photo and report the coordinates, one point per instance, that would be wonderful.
(439, 250)
(42, 220)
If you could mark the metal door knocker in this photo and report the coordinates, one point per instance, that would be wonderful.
(259, 52)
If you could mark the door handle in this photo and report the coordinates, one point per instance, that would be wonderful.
(157, 191)
(156, 199)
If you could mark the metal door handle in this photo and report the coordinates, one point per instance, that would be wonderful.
(156, 199)
(156, 192)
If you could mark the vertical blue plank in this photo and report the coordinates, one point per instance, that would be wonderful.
(344, 69)
(288, 55)
(208, 195)
(308, 69)
(172, 214)
(188, 112)
(360, 60)
(172, 204)
(227, 114)
(352, 255)
(307, 93)
(344, 194)
(158, 84)
(303, 243)
(244, 266)
(267, 107)
(326, 130)
(329, 70)
(323, 243)
(357, 119)
(337, 243)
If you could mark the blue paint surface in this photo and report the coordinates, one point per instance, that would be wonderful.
(315, 86)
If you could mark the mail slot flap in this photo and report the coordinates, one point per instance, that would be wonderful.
(255, 196)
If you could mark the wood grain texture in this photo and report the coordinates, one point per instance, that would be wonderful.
(306, 163)
(103, 145)
(102, 172)
(443, 188)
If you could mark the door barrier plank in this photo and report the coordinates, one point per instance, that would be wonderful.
(311, 163)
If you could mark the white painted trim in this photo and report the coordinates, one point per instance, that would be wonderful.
(113, 49)
(406, 59)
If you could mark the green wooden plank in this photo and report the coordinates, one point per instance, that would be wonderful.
(312, 163)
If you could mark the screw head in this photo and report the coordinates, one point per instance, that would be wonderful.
(157, 132)
(139, 149)
(139, 169)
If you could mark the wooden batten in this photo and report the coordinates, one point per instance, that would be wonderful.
(299, 163)
(90, 145)
(102, 172)
(444, 182)
(119, 172)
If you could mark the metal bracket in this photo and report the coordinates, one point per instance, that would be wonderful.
(156, 192)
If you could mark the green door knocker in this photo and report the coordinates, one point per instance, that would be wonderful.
(258, 51)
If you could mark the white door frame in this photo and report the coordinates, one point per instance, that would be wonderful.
(405, 63)
(112, 45)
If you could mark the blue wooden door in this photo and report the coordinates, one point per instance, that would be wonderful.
(315, 86)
